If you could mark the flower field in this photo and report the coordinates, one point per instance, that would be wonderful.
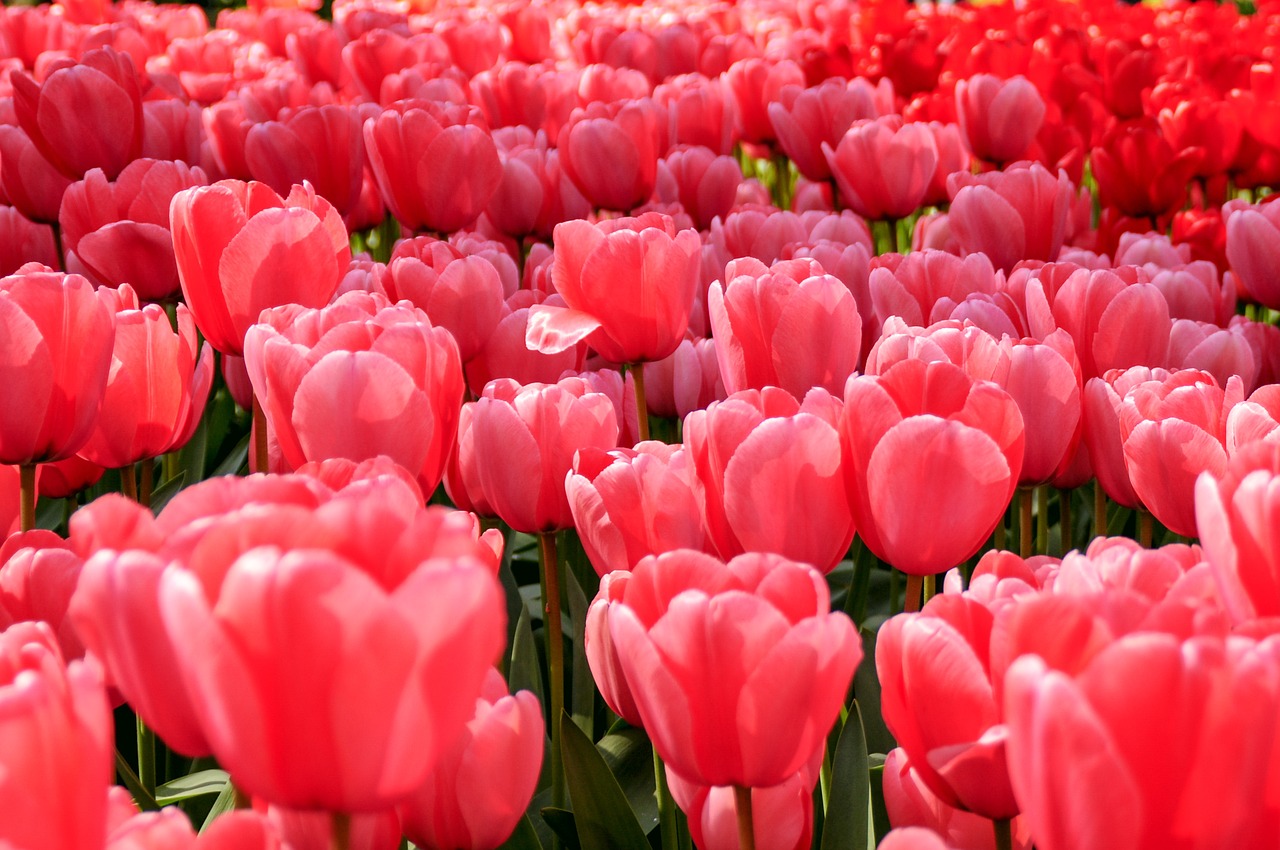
(559, 425)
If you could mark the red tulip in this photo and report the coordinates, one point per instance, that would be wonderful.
(756, 83)
(999, 118)
(55, 755)
(1237, 513)
(631, 503)
(84, 115)
(520, 444)
(700, 112)
(927, 447)
(1139, 173)
(24, 241)
(1088, 751)
(755, 317)
(413, 145)
(313, 830)
(906, 156)
(55, 353)
(629, 286)
(10, 506)
(477, 793)
(241, 248)
(358, 379)
(744, 667)
(914, 838)
(119, 230)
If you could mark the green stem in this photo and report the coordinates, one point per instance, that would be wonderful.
(1042, 521)
(1004, 833)
(27, 484)
(145, 801)
(341, 831)
(147, 484)
(1099, 510)
(930, 587)
(1024, 523)
(914, 586)
(555, 656)
(642, 408)
(666, 806)
(260, 454)
(894, 244)
(146, 757)
(129, 483)
(859, 584)
(1000, 541)
(1146, 527)
(1064, 519)
(746, 829)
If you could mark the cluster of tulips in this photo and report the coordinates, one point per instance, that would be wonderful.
(667, 425)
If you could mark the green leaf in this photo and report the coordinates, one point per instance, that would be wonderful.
(846, 826)
(226, 802)
(524, 838)
(236, 461)
(629, 757)
(193, 785)
(526, 673)
(582, 699)
(562, 823)
(601, 812)
(879, 812)
(167, 491)
(866, 684)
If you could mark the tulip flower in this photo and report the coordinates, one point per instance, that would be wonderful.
(610, 152)
(1012, 215)
(31, 183)
(358, 379)
(38, 575)
(907, 156)
(55, 744)
(1138, 171)
(480, 787)
(1115, 324)
(782, 815)
(805, 118)
(705, 184)
(756, 83)
(719, 709)
(320, 144)
(534, 194)
(999, 118)
(1251, 250)
(241, 248)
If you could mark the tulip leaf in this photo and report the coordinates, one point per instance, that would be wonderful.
(601, 812)
(849, 805)
(235, 461)
(630, 759)
(879, 812)
(226, 802)
(564, 825)
(167, 491)
(526, 674)
(866, 684)
(525, 837)
(515, 605)
(583, 696)
(193, 785)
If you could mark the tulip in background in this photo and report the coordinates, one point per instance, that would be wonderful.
(906, 156)
(782, 814)
(1252, 252)
(999, 118)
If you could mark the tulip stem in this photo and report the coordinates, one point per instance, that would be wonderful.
(1064, 520)
(550, 564)
(147, 483)
(1099, 510)
(746, 829)
(146, 757)
(915, 584)
(666, 806)
(1042, 520)
(642, 407)
(260, 456)
(1025, 545)
(930, 587)
(341, 831)
(27, 485)
(1146, 527)
(129, 483)
(133, 785)
(999, 542)
(1004, 833)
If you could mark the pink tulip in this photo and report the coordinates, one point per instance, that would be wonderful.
(705, 184)
(700, 111)
(358, 379)
(755, 317)
(745, 668)
(313, 830)
(320, 144)
(505, 355)
(688, 380)
(761, 445)
(781, 815)
(1251, 251)
(756, 83)
(38, 575)
(478, 790)
(241, 248)
(33, 185)
(911, 286)
(906, 156)
(999, 118)
(1221, 352)
(1012, 215)
(806, 118)
(1115, 324)
(535, 194)
(914, 838)
(927, 447)
(611, 152)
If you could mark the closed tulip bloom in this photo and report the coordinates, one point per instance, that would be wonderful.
(781, 815)
(744, 665)
(358, 379)
(686, 381)
(55, 745)
(611, 152)
(1115, 324)
(911, 286)
(911, 803)
(1237, 517)
(1171, 431)
(241, 248)
(535, 194)
(1138, 171)
(157, 387)
(927, 447)
(85, 114)
(313, 830)
(914, 838)
(805, 118)
(1102, 397)
(1088, 753)
(883, 167)
(38, 573)
(1252, 234)
(521, 445)
(23, 241)
(631, 503)
(700, 111)
(320, 144)
(30, 182)
(119, 230)
(1013, 215)
(755, 318)
(999, 118)
(602, 654)
(1222, 352)
(761, 445)
(939, 701)
(756, 83)
(628, 285)
(505, 354)
(55, 355)
(478, 790)
(705, 184)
